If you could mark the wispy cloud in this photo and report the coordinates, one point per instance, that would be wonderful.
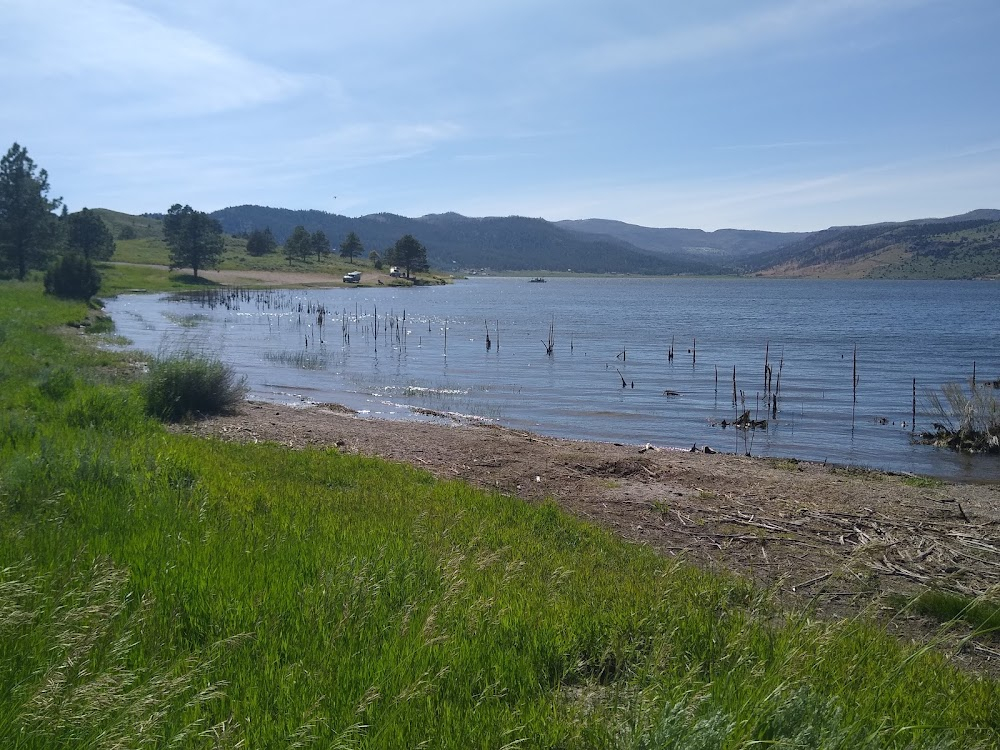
(497, 156)
(781, 145)
(789, 20)
(365, 143)
(941, 184)
(303, 168)
(122, 54)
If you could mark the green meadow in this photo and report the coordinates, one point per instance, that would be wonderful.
(154, 251)
(159, 590)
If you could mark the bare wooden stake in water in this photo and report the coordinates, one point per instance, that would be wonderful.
(694, 351)
(973, 374)
(734, 385)
(488, 342)
(767, 368)
(777, 387)
(753, 425)
(854, 383)
(913, 416)
(855, 376)
(624, 384)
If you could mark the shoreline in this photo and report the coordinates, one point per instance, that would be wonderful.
(837, 537)
(575, 395)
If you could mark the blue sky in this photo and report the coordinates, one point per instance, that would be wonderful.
(769, 114)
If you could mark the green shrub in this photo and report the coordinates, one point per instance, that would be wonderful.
(192, 385)
(72, 277)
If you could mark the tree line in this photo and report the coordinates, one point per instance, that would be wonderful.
(407, 253)
(195, 242)
(33, 236)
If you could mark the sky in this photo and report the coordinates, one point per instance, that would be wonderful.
(785, 115)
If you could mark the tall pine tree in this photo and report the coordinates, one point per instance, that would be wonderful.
(90, 236)
(27, 224)
(194, 238)
(351, 246)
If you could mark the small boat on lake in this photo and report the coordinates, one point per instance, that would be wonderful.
(536, 280)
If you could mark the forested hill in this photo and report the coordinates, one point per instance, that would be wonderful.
(512, 243)
(956, 247)
(722, 244)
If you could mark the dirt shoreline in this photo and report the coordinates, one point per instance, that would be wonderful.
(839, 537)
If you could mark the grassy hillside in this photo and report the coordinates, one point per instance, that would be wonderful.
(127, 226)
(158, 590)
(927, 250)
(152, 250)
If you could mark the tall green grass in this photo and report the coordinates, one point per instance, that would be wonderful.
(981, 613)
(189, 384)
(165, 591)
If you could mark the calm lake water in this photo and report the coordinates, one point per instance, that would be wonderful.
(607, 330)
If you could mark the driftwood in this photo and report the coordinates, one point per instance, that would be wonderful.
(745, 422)
(962, 440)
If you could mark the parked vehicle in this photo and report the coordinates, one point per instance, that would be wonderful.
(395, 272)
(353, 277)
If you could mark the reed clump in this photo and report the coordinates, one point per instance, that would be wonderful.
(189, 385)
(969, 418)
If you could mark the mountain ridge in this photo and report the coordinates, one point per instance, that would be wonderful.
(453, 241)
(721, 243)
(961, 246)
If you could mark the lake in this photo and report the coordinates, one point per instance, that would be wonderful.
(842, 355)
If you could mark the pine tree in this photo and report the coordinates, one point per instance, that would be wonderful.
(89, 235)
(27, 224)
(320, 244)
(298, 245)
(194, 238)
(261, 242)
(351, 246)
(410, 254)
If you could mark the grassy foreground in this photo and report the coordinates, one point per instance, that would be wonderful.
(163, 591)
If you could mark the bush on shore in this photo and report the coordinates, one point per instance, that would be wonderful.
(191, 385)
(72, 277)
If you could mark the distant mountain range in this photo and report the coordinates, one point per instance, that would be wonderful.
(720, 246)
(456, 242)
(965, 246)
